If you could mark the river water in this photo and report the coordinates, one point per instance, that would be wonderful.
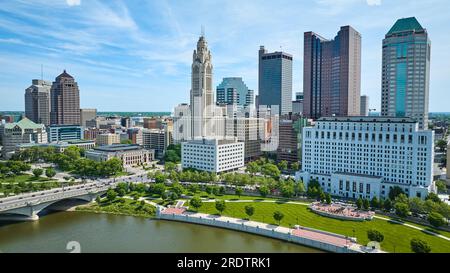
(113, 233)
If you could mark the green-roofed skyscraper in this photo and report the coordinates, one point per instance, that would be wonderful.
(406, 71)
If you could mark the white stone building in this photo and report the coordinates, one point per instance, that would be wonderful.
(131, 155)
(212, 155)
(364, 157)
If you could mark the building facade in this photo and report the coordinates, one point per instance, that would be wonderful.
(406, 71)
(365, 157)
(275, 80)
(60, 147)
(201, 97)
(246, 130)
(107, 139)
(332, 74)
(88, 115)
(364, 106)
(24, 131)
(65, 101)
(157, 140)
(131, 155)
(297, 104)
(212, 155)
(37, 102)
(233, 90)
(448, 160)
(58, 133)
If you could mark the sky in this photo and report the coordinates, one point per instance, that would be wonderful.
(136, 55)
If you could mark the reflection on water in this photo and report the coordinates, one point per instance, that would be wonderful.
(111, 233)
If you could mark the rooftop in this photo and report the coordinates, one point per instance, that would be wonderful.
(118, 148)
(369, 119)
(406, 24)
(24, 123)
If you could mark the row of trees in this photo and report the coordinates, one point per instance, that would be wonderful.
(13, 167)
(71, 160)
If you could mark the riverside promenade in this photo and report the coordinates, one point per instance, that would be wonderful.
(326, 241)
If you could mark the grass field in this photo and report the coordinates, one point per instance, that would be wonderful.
(397, 237)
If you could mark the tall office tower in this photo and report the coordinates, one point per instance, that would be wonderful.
(202, 97)
(364, 105)
(406, 71)
(87, 115)
(332, 74)
(275, 80)
(65, 101)
(234, 91)
(37, 102)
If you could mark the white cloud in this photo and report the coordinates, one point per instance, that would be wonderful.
(73, 2)
(373, 2)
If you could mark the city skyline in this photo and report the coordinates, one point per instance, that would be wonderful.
(157, 58)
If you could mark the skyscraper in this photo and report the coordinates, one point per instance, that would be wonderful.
(87, 115)
(234, 91)
(275, 80)
(65, 101)
(364, 105)
(202, 97)
(406, 71)
(332, 74)
(37, 102)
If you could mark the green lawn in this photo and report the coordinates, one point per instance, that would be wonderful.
(396, 236)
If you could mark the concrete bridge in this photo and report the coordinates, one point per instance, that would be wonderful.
(27, 206)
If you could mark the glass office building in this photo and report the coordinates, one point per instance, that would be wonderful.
(275, 80)
(406, 71)
(234, 91)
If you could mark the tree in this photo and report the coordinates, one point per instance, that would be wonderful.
(436, 219)
(441, 186)
(249, 210)
(283, 165)
(38, 172)
(433, 197)
(288, 190)
(278, 216)
(366, 204)
(387, 204)
(295, 166)
(299, 188)
(253, 167)
(441, 144)
(416, 205)
(159, 177)
(419, 246)
(271, 170)
(111, 195)
(374, 203)
(394, 192)
(401, 209)
(375, 235)
(50, 172)
(220, 205)
(177, 188)
(263, 191)
(196, 202)
(170, 166)
(158, 188)
(239, 191)
(359, 203)
(328, 198)
(98, 199)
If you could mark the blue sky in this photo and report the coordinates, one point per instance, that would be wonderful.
(135, 55)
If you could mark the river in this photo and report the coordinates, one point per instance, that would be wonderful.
(113, 233)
